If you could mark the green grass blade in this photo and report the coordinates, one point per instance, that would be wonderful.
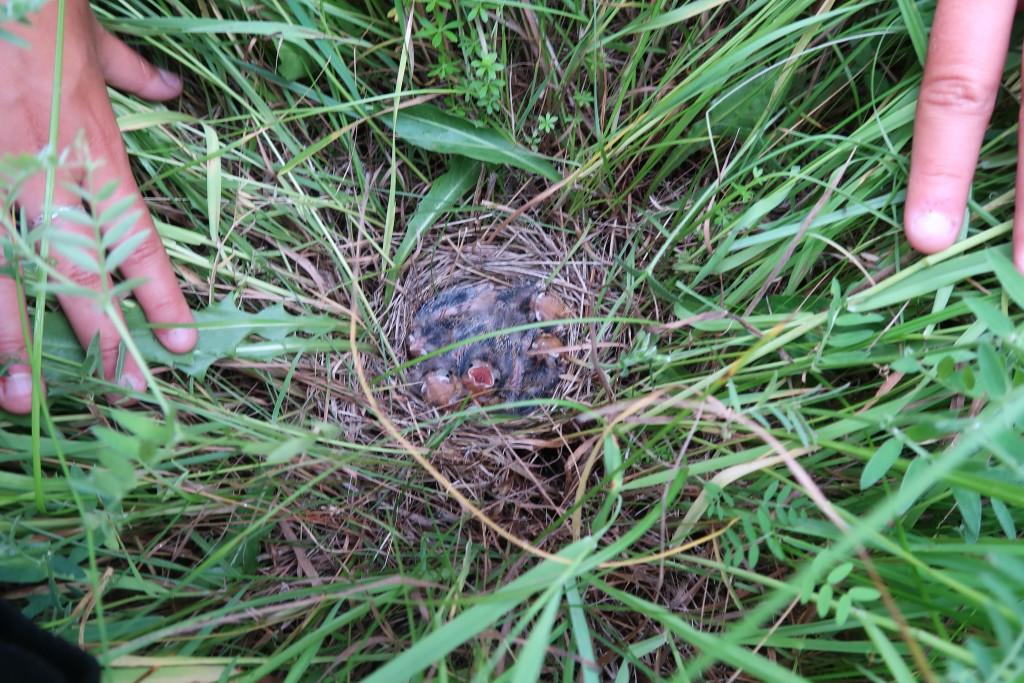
(472, 621)
(443, 195)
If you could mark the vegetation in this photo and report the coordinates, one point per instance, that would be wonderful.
(788, 448)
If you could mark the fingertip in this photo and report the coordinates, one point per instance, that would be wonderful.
(1018, 260)
(178, 339)
(126, 69)
(131, 380)
(16, 390)
(1018, 246)
(930, 232)
(159, 86)
(169, 86)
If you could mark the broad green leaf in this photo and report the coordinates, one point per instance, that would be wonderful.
(741, 109)
(880, 463)
(613, 460)
(143, 426)
(662, 19)
(277, 324)
(141, 120)
(222, 328)
(158, 26)
(120, 467)
(21, 569)
(292, 61)
(166, 669)
(29, 562)
(123, 446)
(443, 194)
(858, 319)
(428, 127)
(907, 365)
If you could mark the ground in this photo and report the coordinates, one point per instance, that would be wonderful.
(784, 447)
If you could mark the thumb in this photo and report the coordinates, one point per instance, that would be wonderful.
(125, 69)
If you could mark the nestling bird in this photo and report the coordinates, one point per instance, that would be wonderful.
(548, 307)
(489, 367)
(451, 316)
(438, 389)
(479, 377)
(548, 345)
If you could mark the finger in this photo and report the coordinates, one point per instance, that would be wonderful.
(76, 263)
(125, 69)
(966, 52)
(159, 294)
(16, 382)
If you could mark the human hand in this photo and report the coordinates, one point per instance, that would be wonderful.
(93, 58)
(966, 53)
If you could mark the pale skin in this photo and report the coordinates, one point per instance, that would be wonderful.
(93, 59)
(968, 46)
(966, 52)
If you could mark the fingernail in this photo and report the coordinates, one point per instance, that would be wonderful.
(169, 79)
(179, 339)
(133, 382)
(18, 385)
(932, 231)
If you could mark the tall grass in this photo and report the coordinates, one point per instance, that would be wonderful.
(799, 458)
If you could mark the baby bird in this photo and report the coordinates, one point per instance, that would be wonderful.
(479, 377)
(540, 379)
(547, 306)
(417, 344)
(452, 315)
(438, 389)
(509, 366)
(549, 347)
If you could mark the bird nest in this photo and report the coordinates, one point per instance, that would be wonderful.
(463, 255)
(520, 467)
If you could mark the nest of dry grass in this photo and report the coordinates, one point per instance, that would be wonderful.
(520, 468)
(526, 254)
